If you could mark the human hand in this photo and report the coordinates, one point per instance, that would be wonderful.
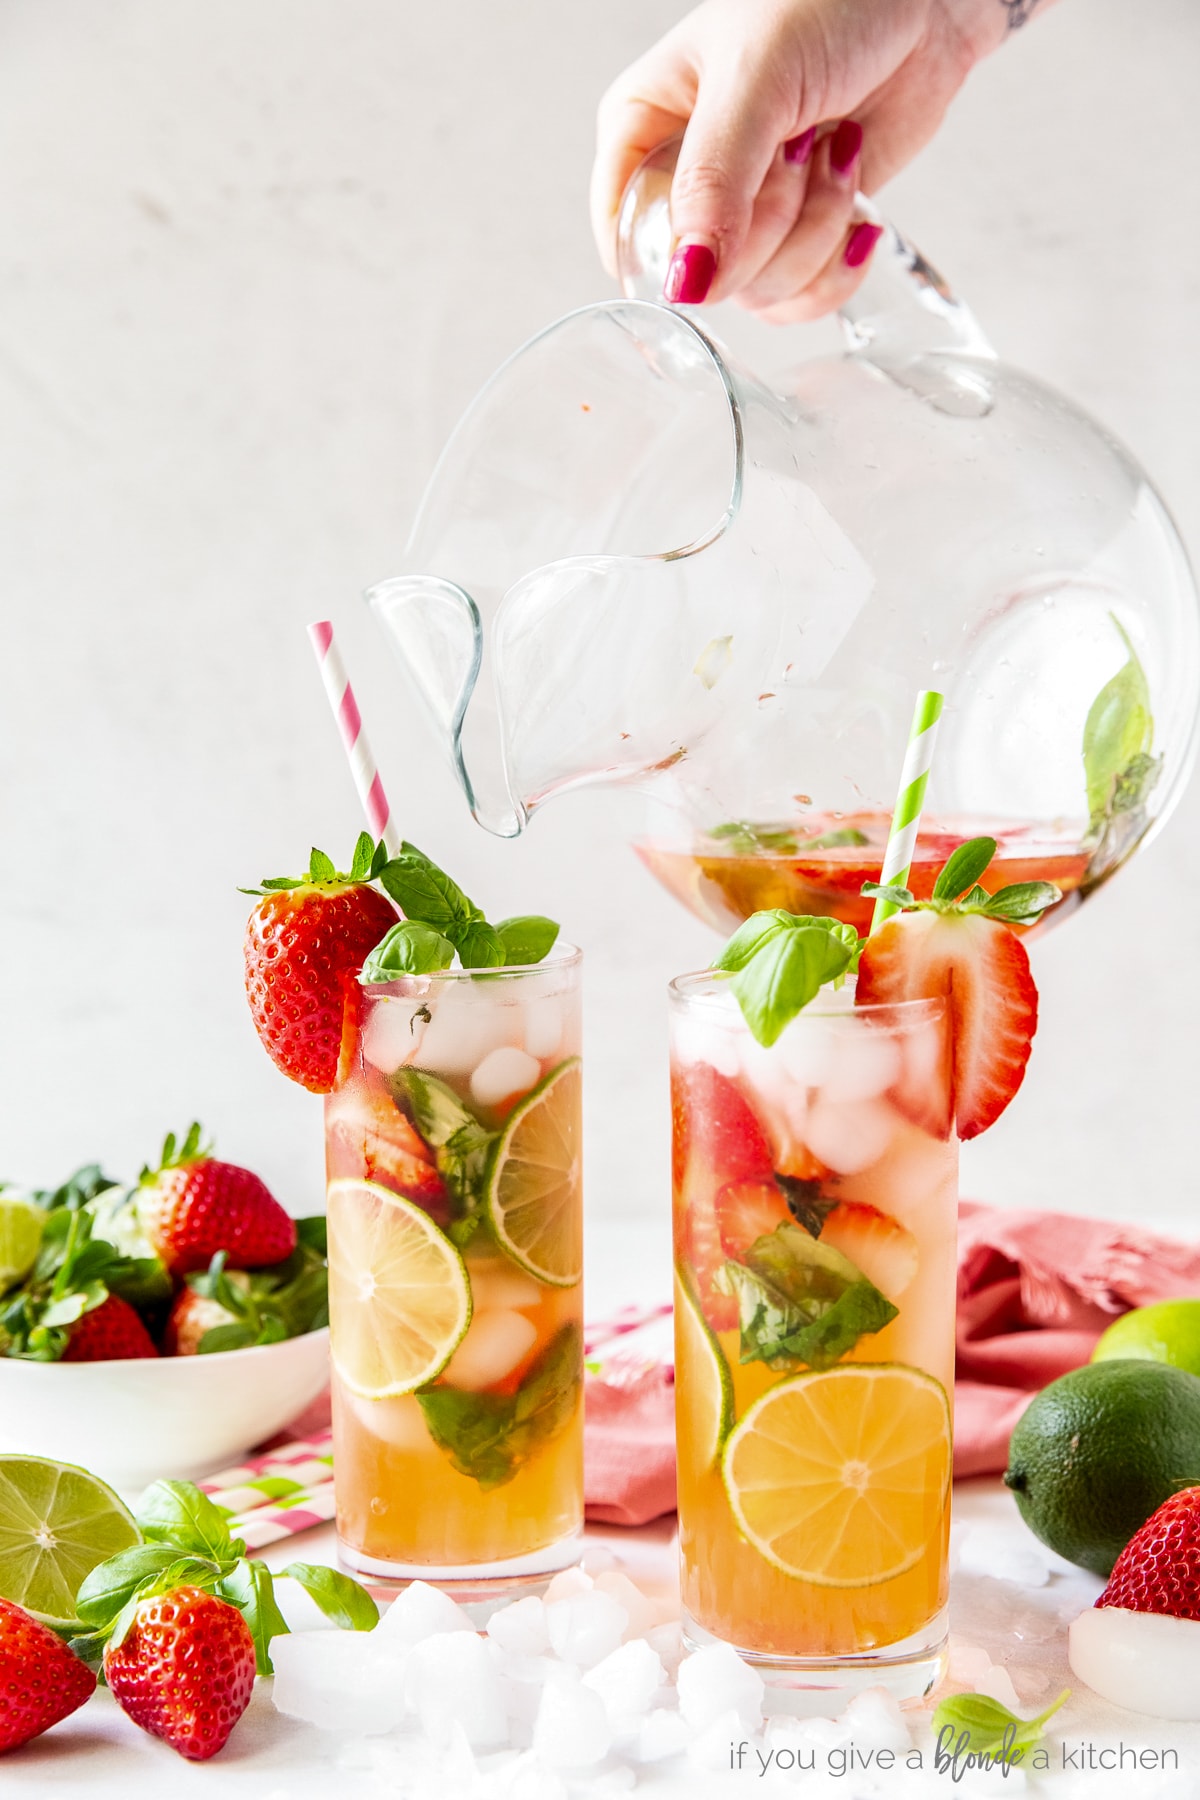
(763, 194)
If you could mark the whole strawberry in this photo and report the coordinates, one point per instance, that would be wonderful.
(305, 943)
(192, 1206)
(40, 1680)
(1158, 1571)
(184, 1670)
(111, 1332)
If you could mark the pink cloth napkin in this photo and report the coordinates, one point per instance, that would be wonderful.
(1035, 1290)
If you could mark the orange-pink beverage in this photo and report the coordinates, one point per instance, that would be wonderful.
(815, 1194)
(455, 1255)
(819, 868)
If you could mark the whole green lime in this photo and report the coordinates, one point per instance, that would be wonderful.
(1096, 1452)
(1168, 1332)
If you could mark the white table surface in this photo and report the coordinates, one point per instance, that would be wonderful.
(1020, 1622)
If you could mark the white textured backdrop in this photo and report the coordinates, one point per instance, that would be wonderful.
(255, 257)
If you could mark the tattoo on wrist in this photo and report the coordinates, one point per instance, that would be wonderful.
(1019, 12)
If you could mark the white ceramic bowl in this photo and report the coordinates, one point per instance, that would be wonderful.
(131, 1422)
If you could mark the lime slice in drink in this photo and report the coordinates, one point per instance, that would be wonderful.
(399, 1298)
(21, 1227)
(534, 1180)
(57, 1523)
(704, 1395)
(842, 1478)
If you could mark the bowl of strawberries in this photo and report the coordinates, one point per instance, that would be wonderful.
(158, 1329)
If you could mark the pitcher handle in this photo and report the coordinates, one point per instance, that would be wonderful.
(902, 310)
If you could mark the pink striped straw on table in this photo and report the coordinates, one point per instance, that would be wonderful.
(354, 738)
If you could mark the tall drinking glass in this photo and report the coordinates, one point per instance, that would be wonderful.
(453, 1151)
(815, 1194)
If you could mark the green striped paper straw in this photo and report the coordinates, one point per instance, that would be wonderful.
(906, 820)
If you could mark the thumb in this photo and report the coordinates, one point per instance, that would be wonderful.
(728, 147)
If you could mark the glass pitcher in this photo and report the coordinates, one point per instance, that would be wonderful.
(636, 562)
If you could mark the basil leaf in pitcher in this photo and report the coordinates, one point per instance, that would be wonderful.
(1118, 766)
(801, 1301)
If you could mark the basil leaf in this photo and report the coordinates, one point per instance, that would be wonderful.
(409, 948)
(899, 896)
(745, 839)
(313, 1233)
(177, 1513)
(1119, 728)
(964, 868)
(848, 838)
(364, 855)
(432, 1105)
(787, 968)
(989, 1726)
(806, 1201)
(249, 1587)
(801, 1301)
(339, 1597)
(424, 892)
(751, 936)
(489, 1436)
(479, 946)
(526, 939)
(320, 867)
(112, 1584)
(1023, 903)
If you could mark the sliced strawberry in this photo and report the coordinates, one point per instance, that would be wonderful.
(718, 1144)
(983, 970)
(747, 1210)
(366, 1135)
(879, 1245)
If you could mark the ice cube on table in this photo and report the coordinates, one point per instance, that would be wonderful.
(1148, 1662)
(520, 1627)
(627, 1680)
(495, 1343)
(469, 1020)
(997, 1684)
(709, 1749)
(394, 1031)
(666, 1640)
(876, 1721)
(865, 1063)
(503, 1072)
(714, 1679)
(585, 1628)
(849, 1135)
(339, 1681)
(420, 1612)
(567, 1583)
(451, 1680)
(571, 1730)
(644, 1613)
(967, 1662)
(663, 1732)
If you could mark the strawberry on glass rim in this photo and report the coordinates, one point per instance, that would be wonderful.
(960, 945)
(306, 941)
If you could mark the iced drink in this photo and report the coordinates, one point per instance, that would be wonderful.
(815, 1189)
(455, 1249)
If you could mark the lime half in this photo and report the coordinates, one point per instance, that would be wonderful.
(57, 1523)
(535, 1179)
(399, 1298)
(21, 1227)
(703, 1384)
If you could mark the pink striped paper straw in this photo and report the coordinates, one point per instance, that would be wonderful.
(354, 738)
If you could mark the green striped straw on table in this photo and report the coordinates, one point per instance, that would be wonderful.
(906, 820)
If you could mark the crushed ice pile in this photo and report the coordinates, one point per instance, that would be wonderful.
(586, 1691)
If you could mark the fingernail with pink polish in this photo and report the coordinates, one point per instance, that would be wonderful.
(797, 150)
(689, 275)
(844, 146)
(860, 243)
